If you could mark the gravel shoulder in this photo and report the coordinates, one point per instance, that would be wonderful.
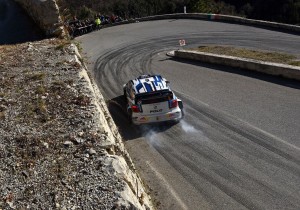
(59, 147)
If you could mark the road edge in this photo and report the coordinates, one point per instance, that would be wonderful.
(218, 18)
(120, 162)
(276, 69)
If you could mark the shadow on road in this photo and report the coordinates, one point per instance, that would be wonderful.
(15, 25)
(117, 109)
(261, 76)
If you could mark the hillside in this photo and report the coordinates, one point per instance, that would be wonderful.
(59, 148)
(285, 11)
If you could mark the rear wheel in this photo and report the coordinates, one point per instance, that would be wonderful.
(182, 113)
(124, 95)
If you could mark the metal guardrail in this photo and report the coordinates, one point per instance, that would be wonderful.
(220, 18)
(268, 68)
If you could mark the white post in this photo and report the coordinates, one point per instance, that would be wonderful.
(184, 9)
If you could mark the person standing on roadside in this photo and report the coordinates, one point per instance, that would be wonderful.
(97, 23)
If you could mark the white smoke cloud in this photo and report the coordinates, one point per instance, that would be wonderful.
(187, 127)
(152, 135)
(155, 136)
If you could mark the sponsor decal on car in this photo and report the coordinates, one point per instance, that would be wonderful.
(143, 119)
(151, 100)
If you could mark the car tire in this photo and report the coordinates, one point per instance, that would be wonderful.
(182, 113)
(124, 95)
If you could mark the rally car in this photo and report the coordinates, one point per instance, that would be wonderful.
(150, 99)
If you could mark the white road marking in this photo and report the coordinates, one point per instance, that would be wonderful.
(168, 186)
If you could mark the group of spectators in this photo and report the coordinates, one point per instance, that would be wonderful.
(79, 27)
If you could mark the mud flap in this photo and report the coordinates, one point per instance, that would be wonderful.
(180, 104)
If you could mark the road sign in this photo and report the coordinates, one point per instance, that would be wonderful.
(182, 42)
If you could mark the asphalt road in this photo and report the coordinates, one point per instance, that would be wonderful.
(238, 146)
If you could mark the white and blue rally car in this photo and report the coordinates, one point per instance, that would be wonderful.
(150, 99)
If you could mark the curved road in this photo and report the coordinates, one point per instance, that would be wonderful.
(238, 146)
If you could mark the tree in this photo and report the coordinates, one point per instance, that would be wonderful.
(246, 10)
(85, 12)
(287, 11)
(211, 6)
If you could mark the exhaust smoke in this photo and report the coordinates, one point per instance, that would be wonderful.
(187, 127)
(151, 135)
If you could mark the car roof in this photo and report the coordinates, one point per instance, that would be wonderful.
(149, 83)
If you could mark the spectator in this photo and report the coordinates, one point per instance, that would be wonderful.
(97, 23)
(77, 27)
(113, 18)
(102, 18)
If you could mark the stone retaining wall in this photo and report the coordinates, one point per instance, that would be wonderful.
(46, 14)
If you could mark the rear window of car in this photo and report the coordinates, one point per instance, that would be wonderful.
(156, 97)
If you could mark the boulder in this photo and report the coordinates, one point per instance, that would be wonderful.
(46, 14)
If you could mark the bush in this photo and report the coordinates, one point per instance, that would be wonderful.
(85, 12)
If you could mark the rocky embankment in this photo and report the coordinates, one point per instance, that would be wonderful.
(59, 147)
(45, 14)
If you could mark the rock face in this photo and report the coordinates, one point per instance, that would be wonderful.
(59, 146)
(46, 14)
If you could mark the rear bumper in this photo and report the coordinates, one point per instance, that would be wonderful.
(170, 116)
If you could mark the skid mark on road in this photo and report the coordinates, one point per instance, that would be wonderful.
(243, 123)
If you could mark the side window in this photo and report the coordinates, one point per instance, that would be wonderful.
(130, 91)
(127, 88)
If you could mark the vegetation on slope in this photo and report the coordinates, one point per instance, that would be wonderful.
(266, 56)
(286, 11)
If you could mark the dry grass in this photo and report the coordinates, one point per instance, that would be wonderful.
(2, 115)
(251, 54)
(62, 44)
(40, 90)
(295, 63)
(35, 76)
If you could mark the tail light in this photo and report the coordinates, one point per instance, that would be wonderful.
(173, 103)
(135, 108)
